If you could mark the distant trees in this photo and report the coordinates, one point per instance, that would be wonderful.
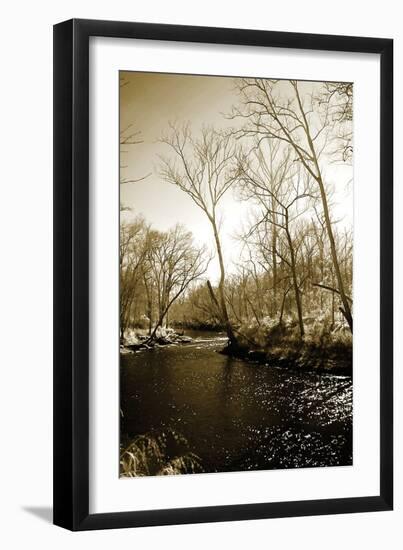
(281, 193)
(203, 168)
(175, 263)
(195, 309)
(134, 246)
(295, 259)
(158, 266)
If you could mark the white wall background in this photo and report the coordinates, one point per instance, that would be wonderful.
(26, 273)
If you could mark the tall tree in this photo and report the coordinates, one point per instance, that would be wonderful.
(203, 168)
(278, 110)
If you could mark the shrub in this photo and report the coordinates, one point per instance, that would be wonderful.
(319, 332)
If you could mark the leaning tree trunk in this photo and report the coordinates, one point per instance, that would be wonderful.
(221, 285)
(162, 314)
(346, 310)
(154, 332)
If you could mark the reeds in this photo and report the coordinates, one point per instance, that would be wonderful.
(158, 454)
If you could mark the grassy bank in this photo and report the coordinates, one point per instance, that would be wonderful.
(324, 348)
(158, 454)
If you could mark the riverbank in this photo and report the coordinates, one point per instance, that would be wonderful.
(279, 346)
(137, 341)
(321, 350)
(301, 356)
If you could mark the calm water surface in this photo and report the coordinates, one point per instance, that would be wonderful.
(234, 414)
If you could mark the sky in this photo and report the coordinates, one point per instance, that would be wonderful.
(148, 102)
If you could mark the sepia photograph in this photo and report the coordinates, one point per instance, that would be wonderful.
(236, 274)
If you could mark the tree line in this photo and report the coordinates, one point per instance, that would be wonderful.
(296, 260)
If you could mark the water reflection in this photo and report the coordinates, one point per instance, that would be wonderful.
(237, 415)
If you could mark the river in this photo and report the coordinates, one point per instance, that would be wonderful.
(236, 415)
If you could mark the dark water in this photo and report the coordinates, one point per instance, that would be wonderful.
(237, 415)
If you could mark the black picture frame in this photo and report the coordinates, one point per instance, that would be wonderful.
(71, 274)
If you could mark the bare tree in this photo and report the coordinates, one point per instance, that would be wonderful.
(292, 118)
(175, 263)
(203, 169)
(339, 97)
(203, 308)
(281, 193)
(133, 249)
(128, 136)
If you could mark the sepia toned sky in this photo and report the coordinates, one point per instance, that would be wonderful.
(148, 102)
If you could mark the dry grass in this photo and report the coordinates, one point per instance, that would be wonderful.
(156, 455)
(318, 333)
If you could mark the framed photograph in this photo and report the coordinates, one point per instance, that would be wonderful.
(223, 318)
